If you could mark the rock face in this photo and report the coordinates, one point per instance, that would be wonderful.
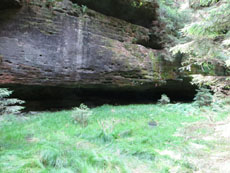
(61, 44)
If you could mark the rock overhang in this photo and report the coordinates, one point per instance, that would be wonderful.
(6, 4)
(64, 48)
(133, 11)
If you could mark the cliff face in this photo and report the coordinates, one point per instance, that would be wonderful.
(62, 44)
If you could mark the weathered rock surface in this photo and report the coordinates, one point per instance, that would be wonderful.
(59, 45)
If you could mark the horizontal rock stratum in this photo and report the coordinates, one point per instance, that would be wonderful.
(62, 44)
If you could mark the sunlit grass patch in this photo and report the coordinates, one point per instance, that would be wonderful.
(130, 138)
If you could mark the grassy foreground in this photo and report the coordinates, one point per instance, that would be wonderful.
(134, 138)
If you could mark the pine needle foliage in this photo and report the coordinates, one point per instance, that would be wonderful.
(81, 115)
(171, 21)
(164, 99)
(208, 40)
(203, 97)
(201, 3)
(9, 105)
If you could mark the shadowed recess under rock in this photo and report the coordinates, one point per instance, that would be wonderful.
(40, 98)
(133, 11)
(5, 4)
(53, 59)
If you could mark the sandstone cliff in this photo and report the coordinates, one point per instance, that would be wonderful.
(63, 44)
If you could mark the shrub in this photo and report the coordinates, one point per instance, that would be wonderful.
(81, 115)
(164, 99)
(9, 106)
(203, 97)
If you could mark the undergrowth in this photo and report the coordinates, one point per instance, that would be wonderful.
(116, 139)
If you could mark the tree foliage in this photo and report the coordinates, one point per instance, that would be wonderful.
(171, 21)
(201, 3)
(208, 41)
(203, 97)
(81, 115)
(9, 105)
(164, 99)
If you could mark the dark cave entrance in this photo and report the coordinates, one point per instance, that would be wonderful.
(50, 98)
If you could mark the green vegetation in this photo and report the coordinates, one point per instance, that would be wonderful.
(81, 115)
(135, 138)
(201, 3)
(207, 43)
(171, 21)
(9, 105)
(203, 97)
(164, 99)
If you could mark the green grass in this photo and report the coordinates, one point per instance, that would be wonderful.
(117, 139)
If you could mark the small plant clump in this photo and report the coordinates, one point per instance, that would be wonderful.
(81, 115)
(83, 8)
(203, 97)
(9, 105)
(164, 99)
